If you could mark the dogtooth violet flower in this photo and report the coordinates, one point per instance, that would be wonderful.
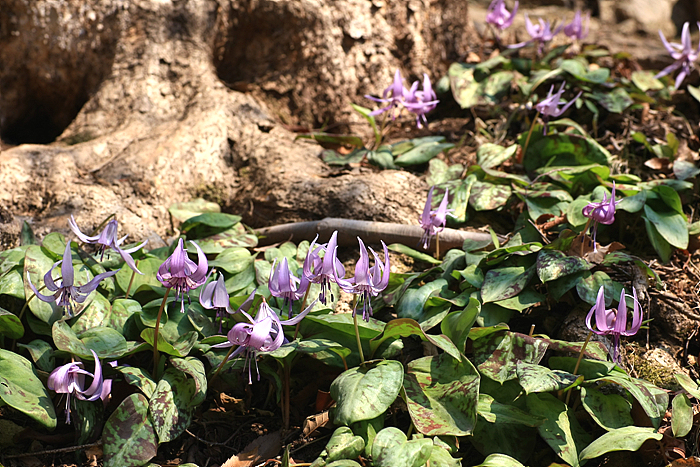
(392, 95)
(420, 102)
(550, 105)
(69, 379)
(433, 222)
(499, 16)
(66, 293)
(614, 323)
(181, 273)
(575, 30)
(213, 296)
(368, 282)
(682, 53)
(602, 212)
(262, 334)
(540, 33)
(324, 270)
(108, 239)
(284, 284)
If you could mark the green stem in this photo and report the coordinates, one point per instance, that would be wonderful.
(437, 245)
(578, 362)
(357, 335)
(286, 395)
(133, 274)
(303, 306)
(155, 334)
(218, 370)
(529, 133)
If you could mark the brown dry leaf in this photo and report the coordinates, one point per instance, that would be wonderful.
(658, 163)
(94, 454)
(231, 403)
(262, 448)
(314, 422)
(587, 253)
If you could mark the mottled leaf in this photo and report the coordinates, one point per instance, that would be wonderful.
(496, 412)
(391, 448)
(139, 378)
(128, 437)
(485, 196)
(193, 367)
(42, 354)
(491, 155)
(21, 389)
(537, 378)
(653, 400)
(497, 354)
(505, 282)
(629, 438)
(169, 408)
(610, 411)
(404, 327)
(553, 264)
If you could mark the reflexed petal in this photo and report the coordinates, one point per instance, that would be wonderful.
(92, 285)
(601, 318)
(95, 390)
(39, 295)
(48, 279)
(83, 238)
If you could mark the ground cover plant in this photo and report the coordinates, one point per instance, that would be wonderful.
(443, 364)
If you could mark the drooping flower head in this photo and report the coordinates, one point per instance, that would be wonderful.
(421, 102)
(550, 105)
(70, 379)
(611, 322)
(213, 296)
(499, 16)
(262, 334)
(683, 54)
(575, 29)
(368, 282)
(108, 239)
(398, 97)
(284, 284)
(433, 222)
(540, 33)
(324, 270)
(602, 212)
(66, 293)
(179, 272)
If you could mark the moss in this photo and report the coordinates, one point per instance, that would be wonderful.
(653, 371)
(211, 192)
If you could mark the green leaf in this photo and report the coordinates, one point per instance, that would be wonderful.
(580, 71)
(653, 400)
(64, 338)
(645, 80)
(122, 311)
(382, 158)
(11, 284)
(36, 265)
(661, 246)
(169, 408)
(233, 260)
(366, 392)
(21, 389)
(688, 384)
(615, 101)
(684, 169)
(441, 394)
(505, 282)
(405, 327)
(128, 437)
(563, 149)
(561, 429)
(588, 287)
(629, 438)
(485, 196)
(497, 354)
(537, 378)
(107, 343)
(42, 354)
(633, 203)
(148, 266)
(236, 236)
(208, 223)
(682, 415)
(610, 411)
(139, 378)
(342, 445)
(670, 225)
(491, 155)
(500, 460)
(411, 304)
(422, 153)
(190, 209)
(391, 448)
(695, 92)
(403, 249)
(553, 264)
(10, 325)
(456, 325)
(194, 368)
(332, 157)
(496, 412)
(470, 89)
(55, 243)
(96, 314)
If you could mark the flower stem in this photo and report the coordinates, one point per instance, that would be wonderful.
(357, 335)
(578, 362)
(131, 281)
(437, 245)
(218, 370)
(285, 395)
(303, 307)
(584, 233)
(529, 133)
(155, 334)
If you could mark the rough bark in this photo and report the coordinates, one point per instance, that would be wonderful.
(166, 100)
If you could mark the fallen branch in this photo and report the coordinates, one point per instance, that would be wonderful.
(368, 231)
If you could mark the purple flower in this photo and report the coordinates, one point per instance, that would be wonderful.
(66, 293)
(416, 101)
(181, 273)
(108, 239)
(683, 54)
(433, 222)
(214, 296)
(367, 282)
(499, 16)
(421, 102)
(70, 379)
(575, 30)
(284, 284)
(549, 106)
(602, 212)
(324, 270)
(609, 322)
(262, 334)
(541, 34)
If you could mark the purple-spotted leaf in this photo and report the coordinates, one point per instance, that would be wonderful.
(486, 196)
(653, 400)
(128, 437)
(590, 284)
(537, 378)
(87, 418)
(179, 348)
(36, 265)
(193, 367)
(561, 429)
(405, 327)
(365, 392)
(342, 445)
(170, 409)
(491, 155)
(496, 356)
(507, 282)
(391, 448)
(610, 411)
(96, 314)
(21, 389)
(139, 378)
(553, 264)
(441, 394)
(10, 325)
(122, 311)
